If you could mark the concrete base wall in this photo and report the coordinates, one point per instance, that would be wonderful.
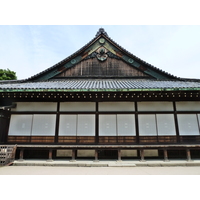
(85, 153)
(149, 153)
(91, 153)
(129, 153)
(64, 153)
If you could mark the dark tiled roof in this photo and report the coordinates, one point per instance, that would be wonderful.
(103, 85)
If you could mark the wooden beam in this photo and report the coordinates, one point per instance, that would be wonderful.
(109, 146)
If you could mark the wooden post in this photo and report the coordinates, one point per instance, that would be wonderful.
(50, 155)
(21, 155)
(165, 156)
(188, 155)
(96, 156)
(142, 155)
(119, 155)
(73, 155)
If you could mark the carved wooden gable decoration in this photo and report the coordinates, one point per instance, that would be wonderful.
(102, 57)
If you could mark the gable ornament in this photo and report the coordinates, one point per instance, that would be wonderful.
(101, 54)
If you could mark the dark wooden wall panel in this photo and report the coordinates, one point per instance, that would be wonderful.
(19, 139)
(107, 139)
(167, 139)
(189, 139)
(94, 67)
(76, 139)
(126, 139)
(67, 139)
(148, 139)
(42, 139)
(85, 139)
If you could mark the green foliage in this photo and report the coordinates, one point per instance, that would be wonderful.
(6, 74)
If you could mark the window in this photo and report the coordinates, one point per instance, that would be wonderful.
(126, 125)
(37, 125)
(77, 125)
(117, 125)
(107, 125)
(165, 124)
(188, 124)
(43, 125)
(156, 124)
(20, 125)
(86, 125)
(147, 125)
(67, 125)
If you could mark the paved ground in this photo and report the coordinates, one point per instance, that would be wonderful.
(41, 170)
(42, 167)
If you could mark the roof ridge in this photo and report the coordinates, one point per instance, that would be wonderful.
(101, 31)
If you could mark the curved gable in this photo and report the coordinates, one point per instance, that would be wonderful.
(102, 57)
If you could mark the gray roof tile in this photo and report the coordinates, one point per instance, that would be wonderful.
(102, 84)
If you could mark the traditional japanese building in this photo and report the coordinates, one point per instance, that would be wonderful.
(102, 102)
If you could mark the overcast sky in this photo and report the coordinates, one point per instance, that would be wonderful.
(30, 49)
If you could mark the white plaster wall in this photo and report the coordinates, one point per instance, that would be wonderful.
(35, 106)
(116, 106)
(77, 106)
(155, 106)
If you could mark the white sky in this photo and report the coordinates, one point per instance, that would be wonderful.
(29, 49)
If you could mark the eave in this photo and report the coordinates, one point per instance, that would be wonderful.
(101, 90)
(102, 85)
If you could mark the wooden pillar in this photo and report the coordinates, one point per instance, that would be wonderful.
(165, 155)
(50, 155)
(137, 125)
(119, 155)
(4, 125)
(96, 156)
(73, 155)
(57, 123)
(142, 155)
(97, 124)
(176, 123)
(188, 154)
(21, 155)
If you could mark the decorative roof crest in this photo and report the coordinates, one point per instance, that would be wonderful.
(101, 31)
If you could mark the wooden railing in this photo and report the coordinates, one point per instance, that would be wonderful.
(7, 154)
